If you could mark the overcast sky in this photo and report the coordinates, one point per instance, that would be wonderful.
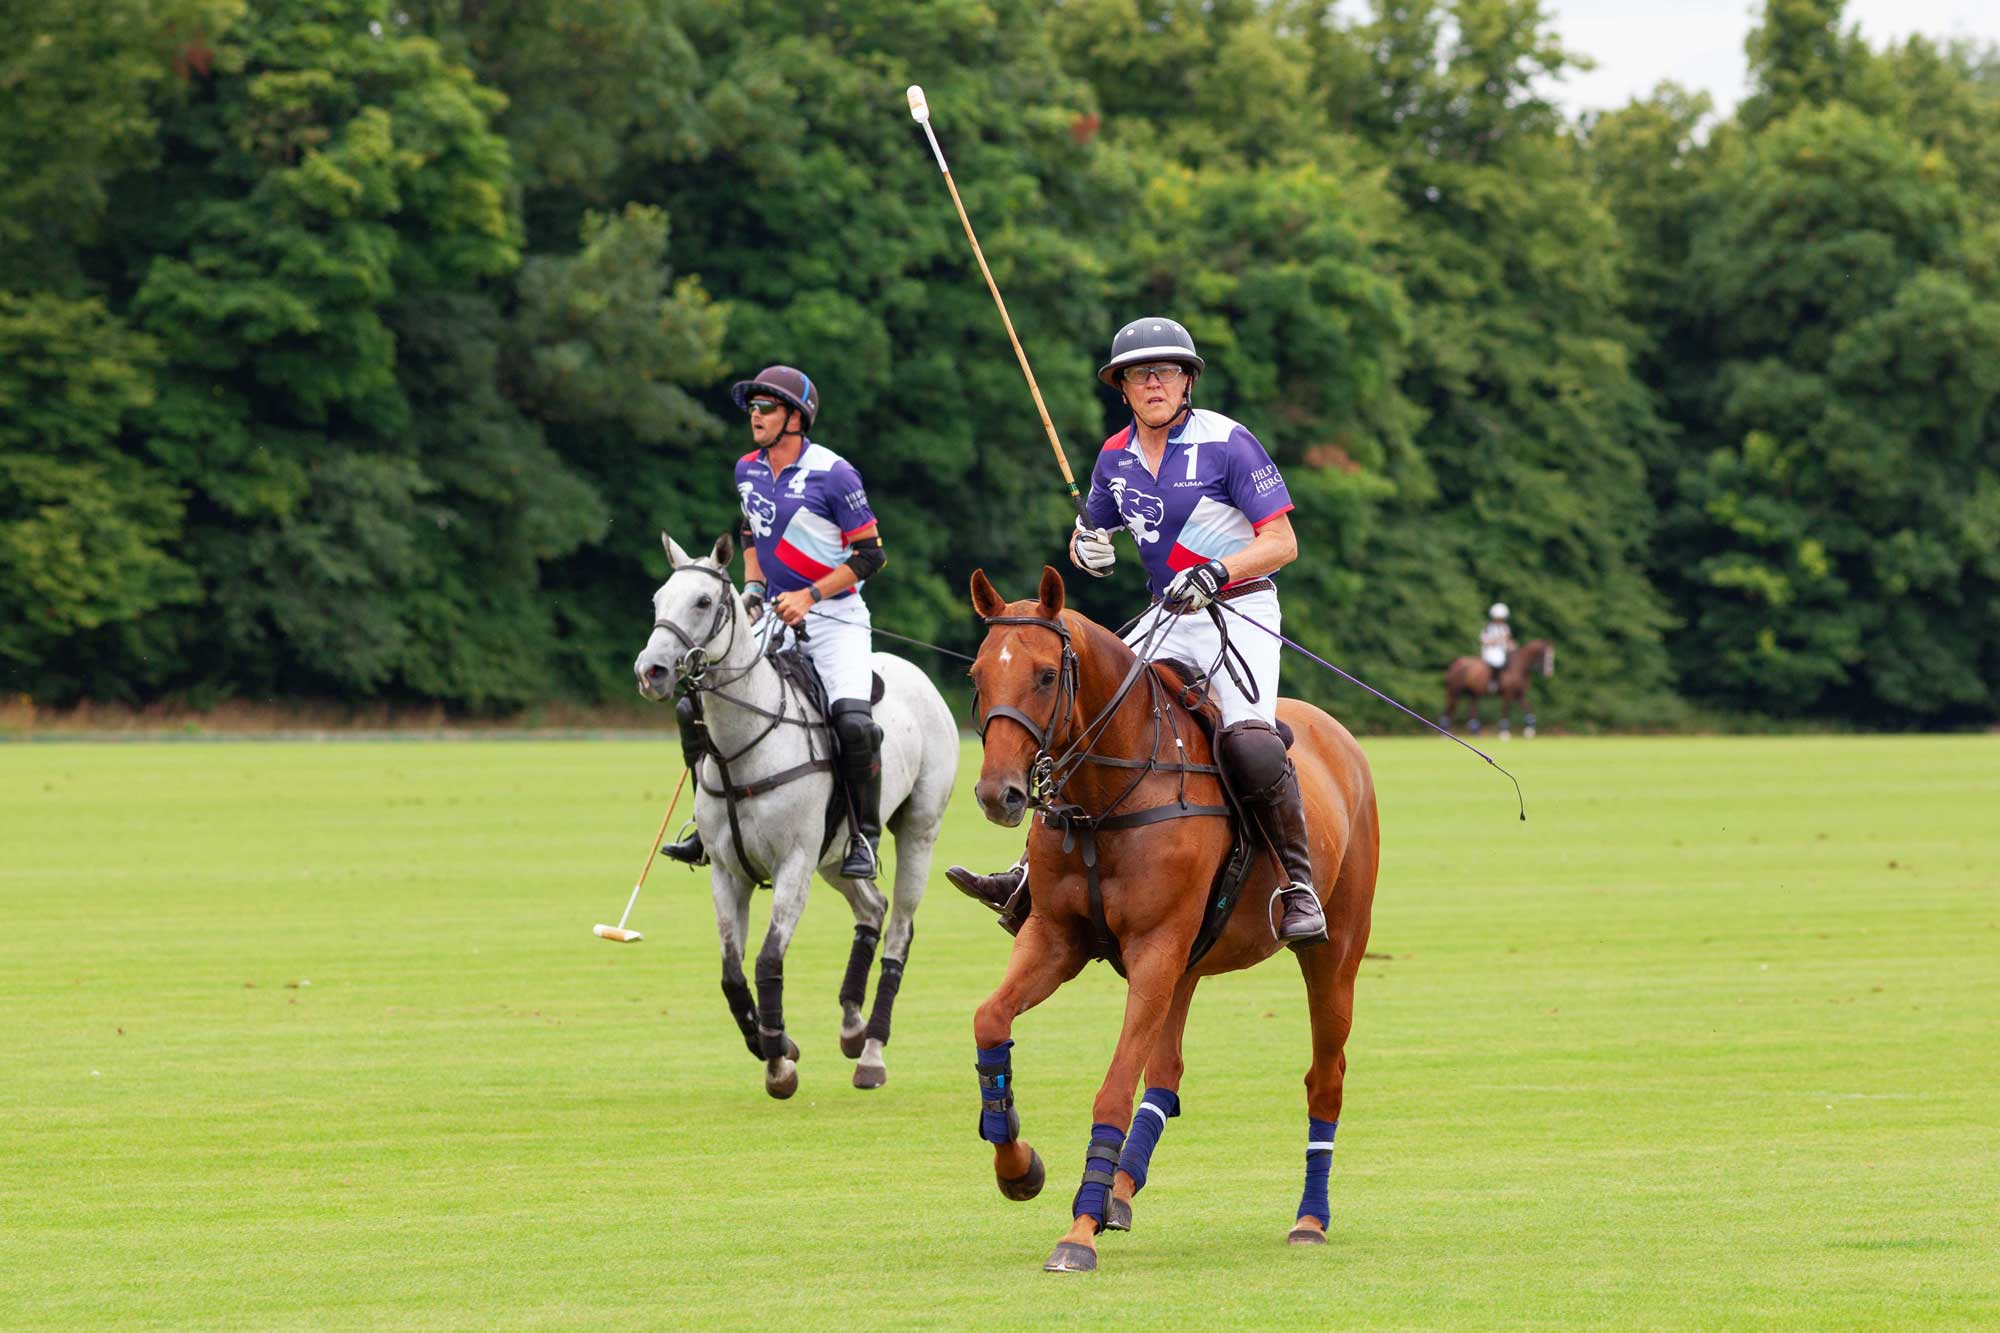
(1699, 43)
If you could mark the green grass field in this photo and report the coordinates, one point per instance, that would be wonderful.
(1713, 1040)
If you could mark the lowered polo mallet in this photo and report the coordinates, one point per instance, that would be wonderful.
(618, 933)
(920, 112)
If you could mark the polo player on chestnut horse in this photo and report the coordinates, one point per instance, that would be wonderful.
(1471, 679)
(1140, 755)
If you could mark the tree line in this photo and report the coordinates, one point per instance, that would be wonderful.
(356, 349)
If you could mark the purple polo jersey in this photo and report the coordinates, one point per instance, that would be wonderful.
(1216, 486)
(802, 519)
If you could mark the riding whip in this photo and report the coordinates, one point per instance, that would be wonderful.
(920, 112)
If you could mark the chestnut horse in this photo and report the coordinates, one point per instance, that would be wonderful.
(1076, 726)
(1471, 678)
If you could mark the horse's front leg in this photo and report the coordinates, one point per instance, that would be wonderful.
(788, 904)
(1152, 965)
(1161, 1103)
(1043, 959)
(732, 926)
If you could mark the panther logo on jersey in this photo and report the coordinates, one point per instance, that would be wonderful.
(1142, 513)
(761, 512)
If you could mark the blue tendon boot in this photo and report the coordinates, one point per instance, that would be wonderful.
(1092, 1197)
(1000, 1123)
(1319, 1165)
(1149, 1122)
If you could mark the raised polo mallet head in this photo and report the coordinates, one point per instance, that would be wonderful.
(920, 110)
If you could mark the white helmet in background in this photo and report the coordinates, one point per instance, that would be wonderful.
(1497, 611)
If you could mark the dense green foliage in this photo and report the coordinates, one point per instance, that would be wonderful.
(355, 349)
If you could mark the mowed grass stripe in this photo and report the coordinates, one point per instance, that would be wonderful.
(1684, 1049)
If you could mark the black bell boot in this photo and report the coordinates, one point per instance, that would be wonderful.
(694, 744)
(861, 770)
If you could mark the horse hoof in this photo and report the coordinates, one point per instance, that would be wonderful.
(1118, 1217)
(782, 1086)
(870, 1076)
(1306, 1236)
(1029, 1183)
(1069, 1257)
(851, 1046)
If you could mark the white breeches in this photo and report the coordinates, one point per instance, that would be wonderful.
(1193, 639)
(1494, 657)
(837, 643)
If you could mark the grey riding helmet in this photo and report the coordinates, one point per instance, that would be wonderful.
(783, 383)
(1154, 338)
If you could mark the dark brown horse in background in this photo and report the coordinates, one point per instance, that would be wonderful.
(1064, 703)
(1470, 677)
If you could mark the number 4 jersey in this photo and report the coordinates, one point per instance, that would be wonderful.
(1216, 486)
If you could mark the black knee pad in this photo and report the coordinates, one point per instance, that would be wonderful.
(1253, 753)
(854, 723)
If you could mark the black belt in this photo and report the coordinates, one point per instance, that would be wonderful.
(1235, 590)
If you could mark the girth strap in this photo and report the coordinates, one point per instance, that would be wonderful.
(1080, 836)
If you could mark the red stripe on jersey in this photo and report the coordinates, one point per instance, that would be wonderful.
(1121, 440)
(1179, 558)
(1258, 526)
(799, 562)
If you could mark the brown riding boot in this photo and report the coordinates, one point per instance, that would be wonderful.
(1005, 893)
(1282, 813)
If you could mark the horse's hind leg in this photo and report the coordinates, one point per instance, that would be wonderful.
(1329, 975)
(1160, 1103)
(913, 868)
(1042, 960)
(869, 909)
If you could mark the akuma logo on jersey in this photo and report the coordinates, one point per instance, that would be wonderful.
(761, 512)
(1142, 513)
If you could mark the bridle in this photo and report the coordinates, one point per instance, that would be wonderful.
(692, 665)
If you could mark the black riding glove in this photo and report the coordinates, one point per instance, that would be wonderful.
(753, 600)
(1192, 589)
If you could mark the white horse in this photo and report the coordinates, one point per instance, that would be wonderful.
(763, 729)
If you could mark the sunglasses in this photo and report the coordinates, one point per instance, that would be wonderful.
(765, 406)
(1163, 372)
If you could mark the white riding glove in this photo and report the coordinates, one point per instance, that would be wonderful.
(1090, 550)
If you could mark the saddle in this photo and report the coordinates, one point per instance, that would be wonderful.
(796, 670)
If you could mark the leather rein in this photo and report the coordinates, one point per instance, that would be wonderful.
(693, 669)
(1050, 772)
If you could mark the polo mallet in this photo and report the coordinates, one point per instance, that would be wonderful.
(920, 112)
(618, 934)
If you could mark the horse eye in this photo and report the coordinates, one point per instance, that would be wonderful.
(703, 603)
(1048, 677)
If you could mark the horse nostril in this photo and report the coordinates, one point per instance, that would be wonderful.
(1015, 798)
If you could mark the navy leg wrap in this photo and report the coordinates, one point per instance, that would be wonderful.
(998, 1121)
(1093, 1196)
(771, 1007)
(854, 986)
(743, 1009)
(1150, 1121)
(886, 985)
(1319, 1162)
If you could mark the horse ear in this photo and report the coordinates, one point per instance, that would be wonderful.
(1050, 594)
(725, 550)
(986, 600)
(675, 555)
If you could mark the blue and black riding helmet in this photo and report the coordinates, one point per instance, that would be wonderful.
(784, 383)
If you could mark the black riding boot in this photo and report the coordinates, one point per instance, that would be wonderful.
(694, 744)
(1005, 893)
(861, 770)
(1268, 786)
